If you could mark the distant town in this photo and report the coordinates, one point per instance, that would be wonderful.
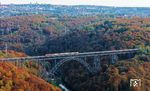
(61, 10)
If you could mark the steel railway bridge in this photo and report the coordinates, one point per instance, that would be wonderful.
(51, 63)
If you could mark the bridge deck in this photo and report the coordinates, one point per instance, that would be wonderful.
(72, 54)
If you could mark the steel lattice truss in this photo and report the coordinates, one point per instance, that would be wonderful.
(52, 62)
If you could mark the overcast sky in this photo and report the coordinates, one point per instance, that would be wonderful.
(122, 3)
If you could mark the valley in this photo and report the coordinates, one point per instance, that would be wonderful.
(37, 30)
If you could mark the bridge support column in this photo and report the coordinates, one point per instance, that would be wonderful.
(21, 63)
(17, 63)
(42, 69)
(114, 59)
(96, 64)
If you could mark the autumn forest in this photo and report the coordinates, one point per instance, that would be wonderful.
(34, 30)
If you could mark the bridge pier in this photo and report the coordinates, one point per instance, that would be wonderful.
(42, 69)
(114, 59)
(96, 63)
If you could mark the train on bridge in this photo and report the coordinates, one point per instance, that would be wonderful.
(62, 54)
